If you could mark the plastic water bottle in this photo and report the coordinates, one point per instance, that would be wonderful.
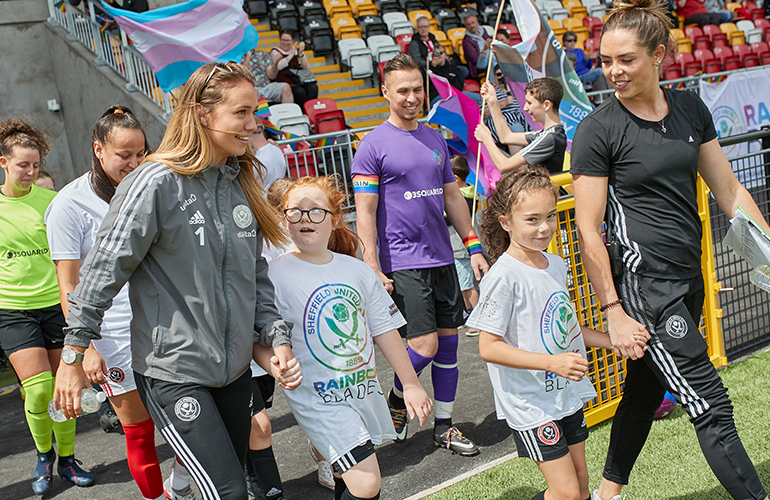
(90, 401)
(760, 276)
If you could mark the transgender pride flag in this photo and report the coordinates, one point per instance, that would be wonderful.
(178, 39)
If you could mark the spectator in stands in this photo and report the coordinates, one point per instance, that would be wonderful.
(637, 158)
(291, 62)
(585, 67)
(718, 7)
(694, 12)
(503, 36)
(269, 155)
(445, 66)
(508, 106)
(403, 183)
(476, 46)
(263, 69)
(422, 46)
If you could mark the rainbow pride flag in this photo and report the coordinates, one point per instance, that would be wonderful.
(178, 39)
(61, 6)
(270, 127)
(263, 109)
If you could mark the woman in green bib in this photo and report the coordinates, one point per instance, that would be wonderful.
(31, 319)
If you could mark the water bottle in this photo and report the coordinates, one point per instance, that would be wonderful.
(760, 276)
(90, 401)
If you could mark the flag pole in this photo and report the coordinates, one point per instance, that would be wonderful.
(484, 105)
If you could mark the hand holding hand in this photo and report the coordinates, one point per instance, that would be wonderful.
(291, 377)
(386, 282)
(94, 366)
(417, 403)
(623, 334)
(479, 265)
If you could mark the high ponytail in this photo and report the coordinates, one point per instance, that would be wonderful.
(648, 19)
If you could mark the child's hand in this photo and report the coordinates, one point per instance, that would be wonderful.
(291, 377)
(488, 92)
(417, 403)
(482, 133)
(569, 365)
(641, 338)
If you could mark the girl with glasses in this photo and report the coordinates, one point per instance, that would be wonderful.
(186, 230)
(339, 309)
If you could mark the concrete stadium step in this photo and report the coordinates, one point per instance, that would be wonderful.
(365, 103)
(368, 123)
(333, 77)
(268, 42)
(324, 68)
(351, 85)
(368, 113)
(350, 94)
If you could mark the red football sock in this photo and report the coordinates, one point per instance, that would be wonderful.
(142, 458)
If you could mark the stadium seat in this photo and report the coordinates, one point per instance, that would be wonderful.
(750, 61)
(375, 29)
(488, 14)
(572, 23)
(341, 21)
(757, 14)
(719, 40)
(759, 47)
(703, 55)
(722, 53)
(367, 10)
(692, 31)
(323, 42)
(701, 42)
(693, 68)
(737, 37)
(559, 14)
(382, 44)
(731, 63)
(448, 23)
(282, 6)
(712, 66)
(403, 41)
(550, 5)
(592, 21)
(288, 19)
(744, 25)
(440, 35)
(684, 45)
(753, 35)
(390, 18)
(764, 58)
(682, 58)
(355, 5)
(361, 63)
(388, 54)
(301, 163)
(349, 32)
(554, 24)
(388, 6)
(346, 46)
(330, 121)
(315, 14)
(456, 36)
(597, 11)
(289, 115)
(416, 14)
(328, 4)
(316, 106)
(672, 72)
(411, 5)
(676, 34)
(306, 5)
(315, 24)
(258, 8)
(742, 51)
(591, 45)
(471, 86)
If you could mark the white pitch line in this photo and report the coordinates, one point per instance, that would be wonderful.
(461, 477)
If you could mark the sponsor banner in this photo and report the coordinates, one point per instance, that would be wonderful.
(740, 104)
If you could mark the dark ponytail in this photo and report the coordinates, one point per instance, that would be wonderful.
(114, 117)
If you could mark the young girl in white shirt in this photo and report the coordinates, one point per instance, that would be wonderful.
(530, 336)
(339, 308)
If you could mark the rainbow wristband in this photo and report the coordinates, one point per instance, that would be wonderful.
(473, 244)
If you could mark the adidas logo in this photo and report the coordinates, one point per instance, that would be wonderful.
(690, 139)
(197, 218)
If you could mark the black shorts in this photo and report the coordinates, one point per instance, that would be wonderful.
(552, 440)
(428, 298)
(354, 456)
(262, 390)
(23, 329)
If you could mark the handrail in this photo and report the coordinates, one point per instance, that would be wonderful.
(745, 137)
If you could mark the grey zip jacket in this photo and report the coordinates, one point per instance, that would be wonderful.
(190, 248)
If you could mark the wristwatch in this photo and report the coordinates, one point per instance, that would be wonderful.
(70, 355)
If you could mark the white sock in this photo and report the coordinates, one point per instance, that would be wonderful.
(180, 477)
(162, 497)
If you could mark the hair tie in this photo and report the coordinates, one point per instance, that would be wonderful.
(117, 111)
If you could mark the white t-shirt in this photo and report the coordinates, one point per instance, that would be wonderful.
(272, 158)
(73, 219)
(531, 309)
(337, 308)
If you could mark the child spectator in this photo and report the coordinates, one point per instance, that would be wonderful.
(45, 181)
(462, 258)
(340, 309)
(530, 334)
(545, 147)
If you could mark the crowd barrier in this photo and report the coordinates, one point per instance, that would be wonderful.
(736, 314)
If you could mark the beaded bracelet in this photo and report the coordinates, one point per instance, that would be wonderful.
(473, 244)
(610, 305)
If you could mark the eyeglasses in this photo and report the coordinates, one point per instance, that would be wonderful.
(438, 54)
(315, 215)
(217, 67)
(570, 40)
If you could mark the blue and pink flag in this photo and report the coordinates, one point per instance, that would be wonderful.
(460, 114)
(540, 54)
(178, 39)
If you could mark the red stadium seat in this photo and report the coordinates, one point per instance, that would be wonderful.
(591, 21)
(471, 86)
(403, 41)
(764, 58)
(693, 31)
(722, 52)
(711, 30)
(759, 47)
(731, 63)
(761, 23)
(316, 106)
(672, 72)
(751, 61)
(301, 163)
(719, 40)
(380, 66)
(330, 121)
(682, 58)
(712, 66)
(742, 51)
(703, 55)
(591, 44)
(757, 14)
(701, 42)
(693, 68)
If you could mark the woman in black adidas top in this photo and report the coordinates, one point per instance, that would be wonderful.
(638, 156)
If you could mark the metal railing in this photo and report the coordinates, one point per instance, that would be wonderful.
(112, 48)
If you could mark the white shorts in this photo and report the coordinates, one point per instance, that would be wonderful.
(115, 348)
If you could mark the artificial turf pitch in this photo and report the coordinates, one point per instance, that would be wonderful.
(671, 465)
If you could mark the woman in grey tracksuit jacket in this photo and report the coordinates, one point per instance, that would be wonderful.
(188, 241)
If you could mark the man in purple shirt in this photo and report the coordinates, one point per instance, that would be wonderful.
(403, 183)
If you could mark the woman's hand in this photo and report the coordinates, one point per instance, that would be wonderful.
(94, 366)
(291, 377)
(70, 381)
(570, 365)
(488, 93)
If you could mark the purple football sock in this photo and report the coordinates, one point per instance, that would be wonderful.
(419, 362)
(445, 375)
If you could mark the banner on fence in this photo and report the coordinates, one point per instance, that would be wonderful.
(740, 104)
(178, 39)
